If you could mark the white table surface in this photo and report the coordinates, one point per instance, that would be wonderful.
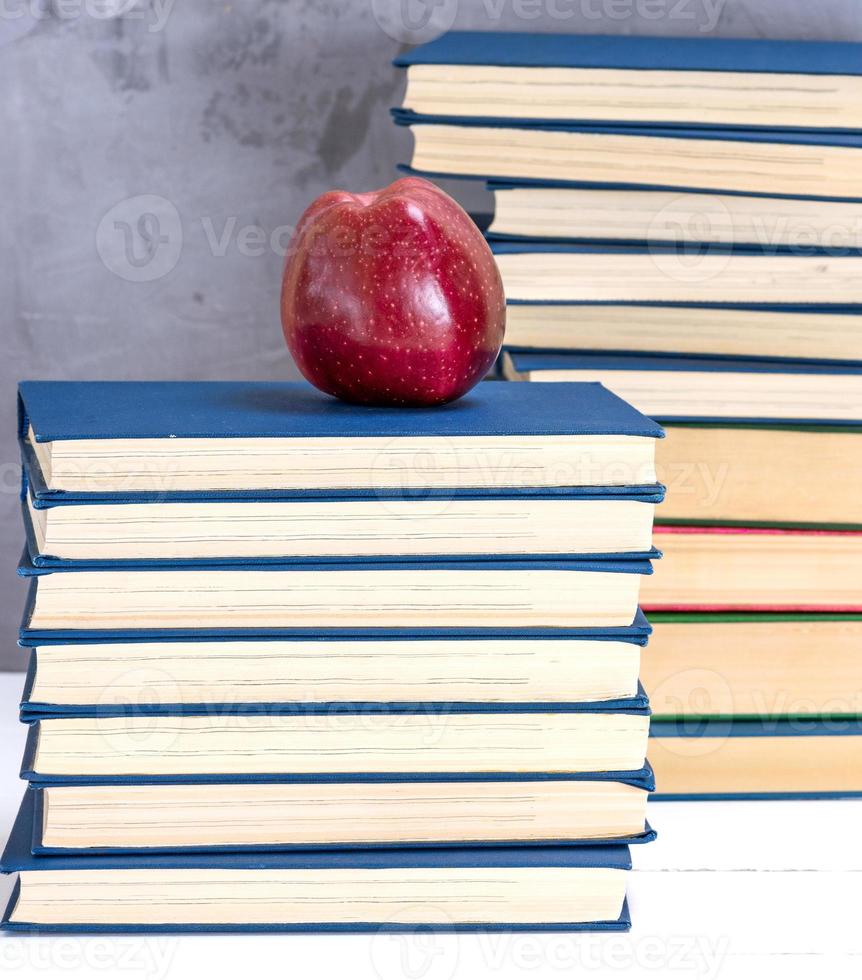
(729, 890)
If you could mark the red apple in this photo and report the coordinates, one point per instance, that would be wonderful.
(392, 297)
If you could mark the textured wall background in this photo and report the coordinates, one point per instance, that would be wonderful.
(155, 153)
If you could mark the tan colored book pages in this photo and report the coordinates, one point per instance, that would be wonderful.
(315, 671)
(374, 527)
(326, 813)
(598, 214)
(677, 276)
(297, 896)
(754, 570)
(685, 330)
(773, 168)
(428, 742)
(636, 95)
(772, 668)
(728, 394)
(761, 764)
(383, 598)
(771, 475)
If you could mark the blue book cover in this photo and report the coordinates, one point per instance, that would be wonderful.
(531, 246)
(643, 780)
(622, 566)
(75, 410)
(526, 50)
(560, 360)
(802, 137)
(31, 710)
(18, 857)
(637, 632)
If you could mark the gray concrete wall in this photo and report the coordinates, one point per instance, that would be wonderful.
(222, 120)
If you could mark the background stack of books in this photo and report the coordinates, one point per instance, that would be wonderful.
(681, 220)
(301, 665)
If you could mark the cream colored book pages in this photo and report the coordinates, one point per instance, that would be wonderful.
(453, 526)
(500, 670)
(773, 668)
(756, 570)
(728, 394)
(774, 475)
(326, 813)
(662, 277)
(407, 597)
(428, 742)
(636, 95)
(763, 764)
(172, 465)
(685, 330)
(720, 165)
(338, 895)
(674, 216)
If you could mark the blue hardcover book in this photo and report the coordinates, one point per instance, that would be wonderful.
(364, 890)
(694, 224)
(283, 816)
(704, 390)
(713, 332)
(661, 275)
(444, 598)
(346, 742)
(568, 523)
(766, 758)
(703, 82)
(779, 163)
(186, 441)
(153, 690)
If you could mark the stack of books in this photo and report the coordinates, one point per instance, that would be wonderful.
(682, 220)
(302, 665)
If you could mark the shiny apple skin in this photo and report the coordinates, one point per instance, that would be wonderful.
(392, 297)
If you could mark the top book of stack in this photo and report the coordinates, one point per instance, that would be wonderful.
(775, 117)
(146, 440)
